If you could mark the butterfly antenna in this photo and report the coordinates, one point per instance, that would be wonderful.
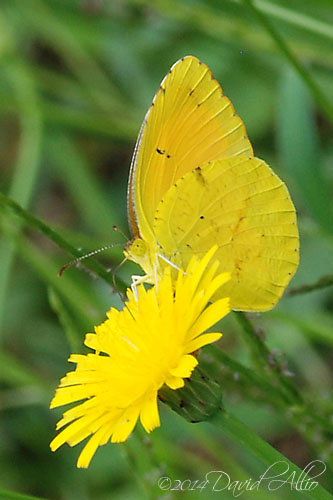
(90, 254)
(118, 230)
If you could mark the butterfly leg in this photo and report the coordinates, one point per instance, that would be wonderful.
(138, 280)
(170, 263)
(155, 271)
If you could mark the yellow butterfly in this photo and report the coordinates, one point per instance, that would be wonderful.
(194, 182)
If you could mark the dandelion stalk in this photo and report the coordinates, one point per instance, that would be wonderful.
(302, 417)
(242, 434)
(201, 400)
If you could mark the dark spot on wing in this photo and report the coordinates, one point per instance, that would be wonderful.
(202, 217)
(162, 152)
(199, 176)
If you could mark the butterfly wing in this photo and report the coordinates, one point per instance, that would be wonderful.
(243, 207)
(189, 123)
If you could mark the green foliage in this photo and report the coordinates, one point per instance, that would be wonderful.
(75, 81)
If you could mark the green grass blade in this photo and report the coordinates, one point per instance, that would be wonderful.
(266, 361)
(27, 164)
(96, 207)
(298, 146)
(14, 373)
(291, 16)
(33, 222)
(83, 302)
(13, 495)
(320, 97)
(323, 282)
(45, 21)
(73, 334)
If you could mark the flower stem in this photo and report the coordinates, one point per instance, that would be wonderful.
(242, 434)
(304, 418)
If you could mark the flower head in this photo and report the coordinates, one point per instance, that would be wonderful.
(137, 350)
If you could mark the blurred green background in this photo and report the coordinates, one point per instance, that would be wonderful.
(76, 78)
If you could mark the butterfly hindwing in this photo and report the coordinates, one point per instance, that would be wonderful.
(243, 207)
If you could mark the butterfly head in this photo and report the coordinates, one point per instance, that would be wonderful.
(136, 250)
(139, 251)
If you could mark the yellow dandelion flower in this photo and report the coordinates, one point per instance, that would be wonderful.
(137, 350)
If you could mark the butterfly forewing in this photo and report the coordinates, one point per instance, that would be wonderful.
(189, 123)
